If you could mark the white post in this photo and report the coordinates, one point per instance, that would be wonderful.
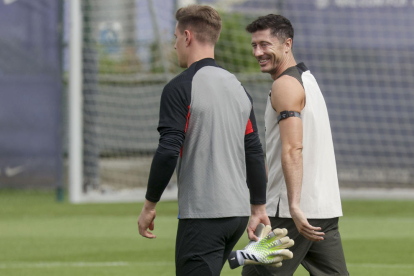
(184, 3)
(159, 40)
(75, 149)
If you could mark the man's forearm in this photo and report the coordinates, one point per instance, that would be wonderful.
(256, 179)
(292, 164)
(164, 162)
(255, 169)
(162, 168)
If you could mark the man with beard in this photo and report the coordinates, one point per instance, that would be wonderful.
(302, 193)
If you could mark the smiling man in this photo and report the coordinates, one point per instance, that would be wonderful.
(302, 193)
(207, 124)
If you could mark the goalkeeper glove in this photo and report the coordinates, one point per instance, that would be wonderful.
(270, 249)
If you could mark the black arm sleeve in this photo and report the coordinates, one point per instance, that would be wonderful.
(164, 162)
(174, 110)
(255, 165)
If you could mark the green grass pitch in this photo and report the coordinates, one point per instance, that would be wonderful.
(41, 237)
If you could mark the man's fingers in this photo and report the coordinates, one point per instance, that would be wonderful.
(313, 227)
(251, 235)
(311, 232)
(315, 239)
(266, 220)
(145, 233)
(148, 234)
(314, 231)
(262, 230)
(312, 237)
(143, 228)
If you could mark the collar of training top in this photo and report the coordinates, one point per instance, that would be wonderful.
(204, 62)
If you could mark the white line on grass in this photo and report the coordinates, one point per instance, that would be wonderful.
(80, 264)
(109, 264)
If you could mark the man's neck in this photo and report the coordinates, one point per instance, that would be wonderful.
(288, 62)
(200, 53)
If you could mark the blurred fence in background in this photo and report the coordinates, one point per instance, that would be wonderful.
(361, 52)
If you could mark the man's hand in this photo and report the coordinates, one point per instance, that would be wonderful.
(305, 229)
(146, 220)
(259, 215)
(270, 249)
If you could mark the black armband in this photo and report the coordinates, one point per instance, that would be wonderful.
(286, 114)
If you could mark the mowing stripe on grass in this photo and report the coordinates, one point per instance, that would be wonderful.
(104, 264)
(382, 265)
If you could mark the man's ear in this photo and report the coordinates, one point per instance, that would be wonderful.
(188, 37)
(288, 45)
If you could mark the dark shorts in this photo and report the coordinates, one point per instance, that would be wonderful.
(203, 245)
(319, 258)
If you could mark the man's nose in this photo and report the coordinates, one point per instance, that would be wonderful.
(257, 52)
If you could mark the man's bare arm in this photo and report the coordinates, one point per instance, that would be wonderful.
(289, 95)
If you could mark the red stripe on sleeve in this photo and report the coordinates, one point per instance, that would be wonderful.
(186, 125)
(188, 117)
(249, 127)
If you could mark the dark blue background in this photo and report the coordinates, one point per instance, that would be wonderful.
(30, 93)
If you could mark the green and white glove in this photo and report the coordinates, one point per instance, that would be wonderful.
(270, 249)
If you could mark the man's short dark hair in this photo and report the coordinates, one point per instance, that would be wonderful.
(279, 26)
(203, 20)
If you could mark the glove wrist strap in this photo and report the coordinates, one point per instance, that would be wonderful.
(235, 259)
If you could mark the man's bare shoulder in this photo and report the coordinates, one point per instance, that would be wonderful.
(287, 94)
